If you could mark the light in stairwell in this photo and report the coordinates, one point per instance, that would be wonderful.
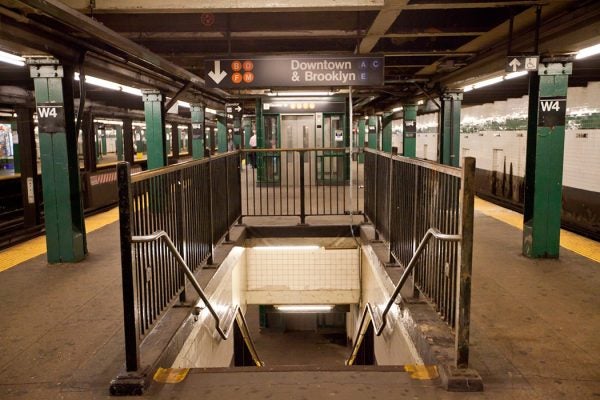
(304, 308)
(286, 248)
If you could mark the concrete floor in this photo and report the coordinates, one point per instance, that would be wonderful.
(534, 333)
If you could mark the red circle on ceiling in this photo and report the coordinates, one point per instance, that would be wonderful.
(207, 19)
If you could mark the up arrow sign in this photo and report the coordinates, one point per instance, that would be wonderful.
(217, 75)
(515, 64)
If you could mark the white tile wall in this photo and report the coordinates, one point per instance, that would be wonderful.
(303, 269)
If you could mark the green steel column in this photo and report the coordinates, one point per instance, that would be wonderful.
(247, 129)
(15, 149)
(103, 136)
(97, 143)
(168, 141)
(119, 142)
(544, 163)
(155, 128)
(450, 128)
(372, 132)
(237, 133)
(198, 132)
(409, 131)
(63, 209)
(386, 134)
(260, 124)
(221, 134)
(361, 139)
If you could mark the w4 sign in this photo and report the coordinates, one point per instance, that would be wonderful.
(551, 111)
(51, 117)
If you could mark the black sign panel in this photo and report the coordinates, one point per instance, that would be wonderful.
(410, 128)
(521, 63)
(234, 109)
(303, 106)
(51, 117)
(294, 71)
(197, 131)
(552, 111)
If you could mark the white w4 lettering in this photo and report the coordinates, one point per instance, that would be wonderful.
(549, 105)
(45, 112)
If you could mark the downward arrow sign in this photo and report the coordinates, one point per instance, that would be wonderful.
(514, 64)
(217, 75)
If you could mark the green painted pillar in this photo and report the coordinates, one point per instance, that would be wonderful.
(155, 128)
(449, 138)
(97, 143)
(63, 207)
(362, 127)
(221, 134)
(409, 130)
(103, 138)
(15, 145)
(168, 141)
(198, 132)
(544, 163)
(237, 132)
(247, 129)
(372, 132)
(260, 124)
(386, 133)
(119, 142)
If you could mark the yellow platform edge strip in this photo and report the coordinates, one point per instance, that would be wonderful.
(422, 372)
(571, 241)
(25, 251)
(170, 375)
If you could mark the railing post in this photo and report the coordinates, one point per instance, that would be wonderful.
(180, 229)
(463, 292)
(210, 259)
(415, 232)
(391, 232)
(227, 238)
(302, 202)
(375, 196)
(128, 271)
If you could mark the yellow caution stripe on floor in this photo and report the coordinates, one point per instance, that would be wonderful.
(25, 251)
(422, 372)
(170, 375)
(571, 241)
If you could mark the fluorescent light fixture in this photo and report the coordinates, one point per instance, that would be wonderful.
(108, 122)
(286, 248)
(299, 93)
(515, 75)
(92, 80)
(397, 109)
(588, 52)
(184, 104)
(210, 110)
(420, 102)
(305, 308)
(488, 82)
(12, 59)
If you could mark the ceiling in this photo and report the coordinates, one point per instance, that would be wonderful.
(428, 45)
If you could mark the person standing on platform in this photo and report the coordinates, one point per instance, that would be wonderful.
(252, 143)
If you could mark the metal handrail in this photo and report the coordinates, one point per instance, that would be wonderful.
(160, 234)
(370, 309)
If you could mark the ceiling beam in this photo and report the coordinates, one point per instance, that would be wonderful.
(381, 24)
(522, 22)
(570, 32)
(215, 6)
(473, 4)
(80, 22)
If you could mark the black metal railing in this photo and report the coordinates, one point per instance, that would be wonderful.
(301, 182)
(420, 195)
(179, 201)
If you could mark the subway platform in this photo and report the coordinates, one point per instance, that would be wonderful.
(534, 328)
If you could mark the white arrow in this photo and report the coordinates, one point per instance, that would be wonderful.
(217, 75)
(238, 108)
(514, 64)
